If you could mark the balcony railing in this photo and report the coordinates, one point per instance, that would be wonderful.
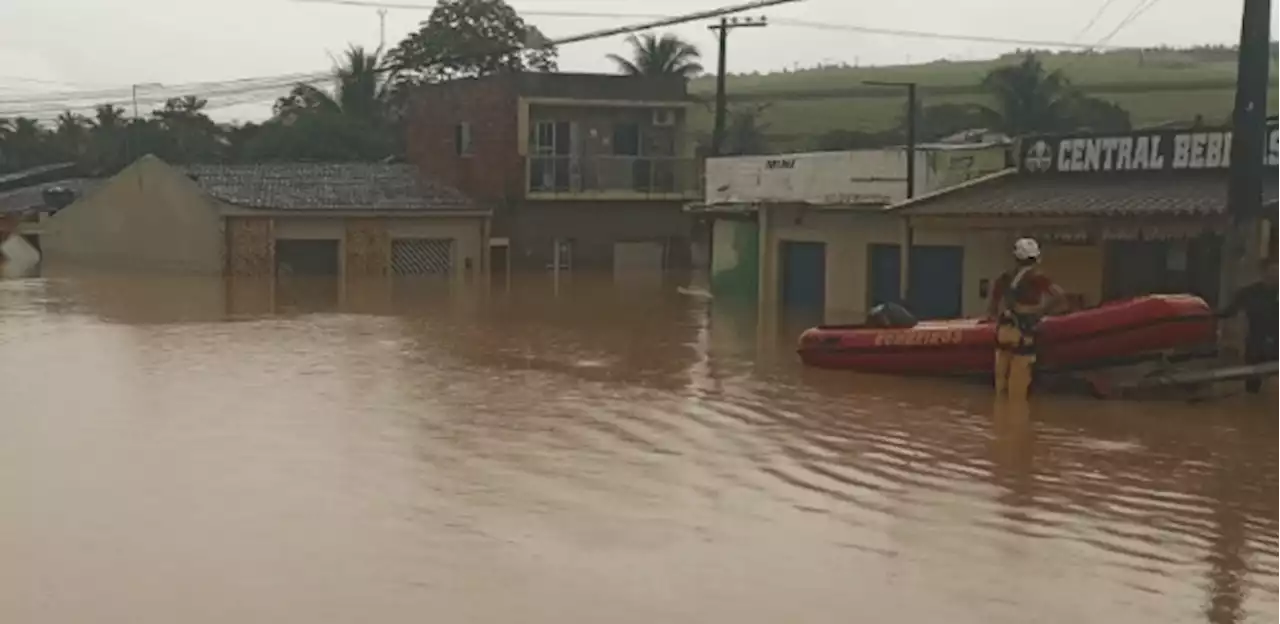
(619, 176)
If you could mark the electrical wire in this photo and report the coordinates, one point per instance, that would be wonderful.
(52, 103)
(1094, 20)
(1142, 7)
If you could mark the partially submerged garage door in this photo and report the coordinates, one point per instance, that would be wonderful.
(638, 257)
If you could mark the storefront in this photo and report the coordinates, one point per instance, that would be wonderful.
(1117, 216)
(811, 232)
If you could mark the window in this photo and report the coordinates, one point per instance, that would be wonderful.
(422, 256)
(626, 139)
(462, 138)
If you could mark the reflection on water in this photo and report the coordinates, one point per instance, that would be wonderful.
(578, 450)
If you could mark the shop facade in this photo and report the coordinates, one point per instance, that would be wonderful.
(1117, 215)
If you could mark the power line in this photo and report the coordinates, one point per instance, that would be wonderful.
(920, 34)
(203, 87)
(1142, 7)
(1094, 20)
(57, 103)
(896, 32)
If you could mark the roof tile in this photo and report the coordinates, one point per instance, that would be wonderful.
(327, 186)
(1119, 195)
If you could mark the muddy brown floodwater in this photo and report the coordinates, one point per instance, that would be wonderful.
(199, 452)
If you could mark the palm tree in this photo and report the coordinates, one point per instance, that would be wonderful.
(108, 149)
(183, 128)
(362, 88)
(26, 143)
(1028, 98)
(652, 55)
(71, 134)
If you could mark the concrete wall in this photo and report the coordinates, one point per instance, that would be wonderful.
(735, 259)
(850, 177)
(594, 228)
(149, 217)
(847, 235)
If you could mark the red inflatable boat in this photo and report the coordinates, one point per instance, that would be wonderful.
(1112, 333)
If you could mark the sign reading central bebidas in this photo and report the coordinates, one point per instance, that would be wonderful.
(1170, 150)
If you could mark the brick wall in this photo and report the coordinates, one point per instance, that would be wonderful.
(367, 248)
(250, 247)
(494, 170)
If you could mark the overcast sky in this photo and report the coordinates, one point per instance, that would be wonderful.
(56, 45)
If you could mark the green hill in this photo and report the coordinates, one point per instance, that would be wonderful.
(1156, 86)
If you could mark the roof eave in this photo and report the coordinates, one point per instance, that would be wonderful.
(915, 201)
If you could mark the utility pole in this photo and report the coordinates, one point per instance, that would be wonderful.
(722, 30)
(909, 234)
(382, 29)
(1242, 236)
(132, 127)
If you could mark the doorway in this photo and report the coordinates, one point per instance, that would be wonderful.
(306, 274)
(936, 278)
(884, 274)
(804, 275)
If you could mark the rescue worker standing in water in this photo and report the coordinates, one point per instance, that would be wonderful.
(1258, 301)
(1019, 299)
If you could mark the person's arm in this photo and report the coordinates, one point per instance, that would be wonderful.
(1055, 299)
(994, 297)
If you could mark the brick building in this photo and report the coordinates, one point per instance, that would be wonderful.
(590, 171)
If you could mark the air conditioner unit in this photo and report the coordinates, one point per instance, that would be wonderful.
(664, 117)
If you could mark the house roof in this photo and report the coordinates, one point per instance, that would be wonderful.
(1009, 193)
(32, 197)
(327, 186)
(36, 175)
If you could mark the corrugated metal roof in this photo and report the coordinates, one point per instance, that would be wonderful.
(36, 175)
(1011, 194)
(327, 186)
(32, 197)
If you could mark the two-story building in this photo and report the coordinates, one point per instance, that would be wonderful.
(582, 171)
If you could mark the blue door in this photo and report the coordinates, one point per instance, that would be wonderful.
(804, 275)
(937, 281)
(884, 274)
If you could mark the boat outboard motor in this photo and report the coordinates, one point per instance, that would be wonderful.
(891, 315)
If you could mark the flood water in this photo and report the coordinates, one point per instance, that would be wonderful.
(197, 452)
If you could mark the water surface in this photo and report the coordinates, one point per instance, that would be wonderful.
(202, 452)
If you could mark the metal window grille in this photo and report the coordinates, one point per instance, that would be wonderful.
(421, 256)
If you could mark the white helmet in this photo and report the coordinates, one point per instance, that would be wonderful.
(1026, 249)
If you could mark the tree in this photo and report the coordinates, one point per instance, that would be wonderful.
(362, 86)
(464, 38)
(181, 132)
(26, 144)
(1088, 113)
(357, 121)
(71, 135)
(108, 139)
(743, 133)
(652, 55)
(1031, 100)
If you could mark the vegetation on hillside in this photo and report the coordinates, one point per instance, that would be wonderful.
(360, 116)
